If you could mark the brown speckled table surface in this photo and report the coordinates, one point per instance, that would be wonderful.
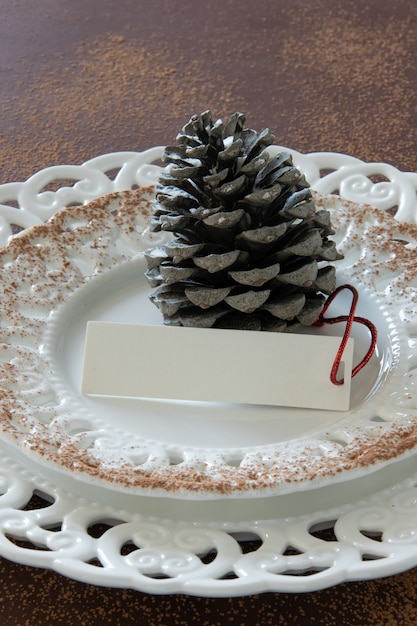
(79, 79)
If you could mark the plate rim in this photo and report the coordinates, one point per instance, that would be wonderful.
(221, 483)
(394, 551)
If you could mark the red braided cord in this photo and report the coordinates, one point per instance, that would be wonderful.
(349, 319)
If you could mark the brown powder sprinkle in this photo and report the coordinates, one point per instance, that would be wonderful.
(386, 602)
(132, 88)
(97, 226)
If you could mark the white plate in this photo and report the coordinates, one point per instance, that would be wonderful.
(86, 263)
(183, 547)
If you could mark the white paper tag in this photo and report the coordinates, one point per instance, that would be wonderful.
(214, 365)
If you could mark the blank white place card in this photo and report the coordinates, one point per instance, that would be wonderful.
(215, 365)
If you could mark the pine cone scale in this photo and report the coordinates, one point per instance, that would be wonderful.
(248, 301)
(301, 276)
(264, 236)
(288, 307)
(179, 250)
(217, 262)
(207, 297)
(255, 277)
(224, 219)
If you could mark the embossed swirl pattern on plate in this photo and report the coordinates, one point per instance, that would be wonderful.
(44, 526)
(44, 268)
(38, 521)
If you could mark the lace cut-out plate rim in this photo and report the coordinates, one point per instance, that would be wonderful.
(80, 247)
(370, 538)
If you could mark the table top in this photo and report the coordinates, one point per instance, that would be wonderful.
(82, 79)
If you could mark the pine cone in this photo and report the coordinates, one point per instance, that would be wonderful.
(250, 250)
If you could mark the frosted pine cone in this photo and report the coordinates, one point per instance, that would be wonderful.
(250, 250)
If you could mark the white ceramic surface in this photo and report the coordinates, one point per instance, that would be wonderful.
(197, 547)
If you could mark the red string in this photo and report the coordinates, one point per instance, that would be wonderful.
(349, 319)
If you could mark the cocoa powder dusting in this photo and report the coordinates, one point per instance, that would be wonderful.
(104, 220)
(368, 603)
(115, 95)
(343, 85)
